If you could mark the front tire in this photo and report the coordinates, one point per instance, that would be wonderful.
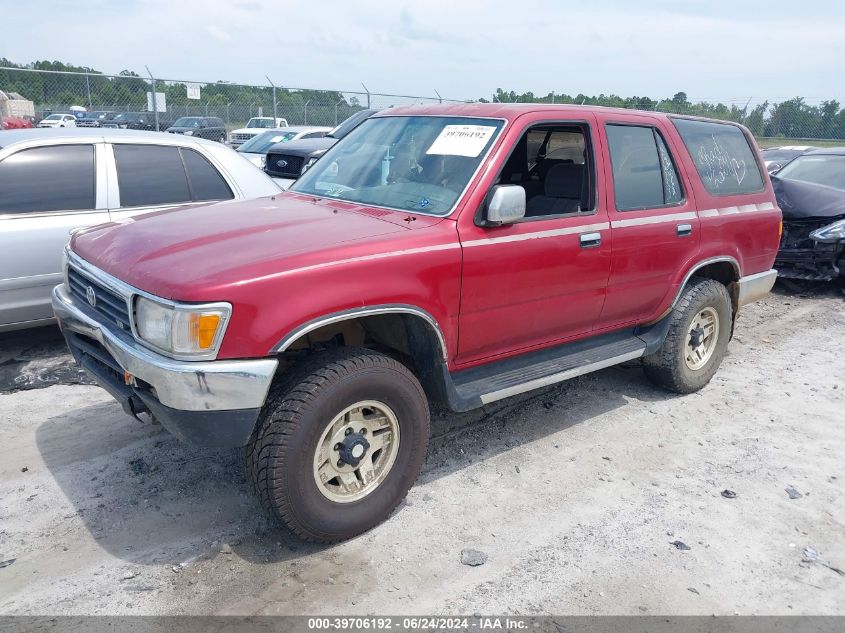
(339, 443)
(698, 337)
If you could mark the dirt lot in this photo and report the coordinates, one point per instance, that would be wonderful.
(575, 494)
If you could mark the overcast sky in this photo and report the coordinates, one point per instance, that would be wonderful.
(727, 51)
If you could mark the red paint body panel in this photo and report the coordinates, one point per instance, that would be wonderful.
(521, 292)
(646, 258)
(494, 292)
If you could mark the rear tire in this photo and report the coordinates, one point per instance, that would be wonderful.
(699, 332)
(339, 405)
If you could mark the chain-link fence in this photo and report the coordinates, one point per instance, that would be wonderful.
(39, 93)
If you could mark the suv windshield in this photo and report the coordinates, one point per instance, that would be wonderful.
(54, 117)
(187, 121)
(264, 141)
(819, 169)
(414, 163)
(265, 123)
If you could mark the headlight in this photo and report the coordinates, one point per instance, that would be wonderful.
(189, 330)
(188, 133)
(830, 233)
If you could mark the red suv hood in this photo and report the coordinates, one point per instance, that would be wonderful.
(194, 253)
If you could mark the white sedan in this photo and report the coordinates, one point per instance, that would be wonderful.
(56, 181)
(58, 120)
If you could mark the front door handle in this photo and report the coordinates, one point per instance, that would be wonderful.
(590, 240)
(684, 230)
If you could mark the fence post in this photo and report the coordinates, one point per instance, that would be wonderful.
(335, 110)
(275, 113)
(306, 111)
(367, 90)
(227, 112)
(88, 89)
(154, 100)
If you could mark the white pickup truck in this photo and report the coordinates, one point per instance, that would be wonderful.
(256, 125)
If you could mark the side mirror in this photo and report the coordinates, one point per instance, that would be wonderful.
(506, 205)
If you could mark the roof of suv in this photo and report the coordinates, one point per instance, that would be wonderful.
(93, 135)
(510, 111)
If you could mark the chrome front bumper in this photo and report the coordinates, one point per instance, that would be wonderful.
(202, 386)
(755, 287)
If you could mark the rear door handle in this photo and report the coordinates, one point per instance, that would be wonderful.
(684, 230)
(589, 240)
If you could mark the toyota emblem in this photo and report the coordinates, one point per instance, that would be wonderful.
(282, 163)
(91, 296)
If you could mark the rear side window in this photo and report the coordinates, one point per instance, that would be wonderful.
(45, 179)
(723, 158)
(205, 181)
(644, 175)
(151, 175)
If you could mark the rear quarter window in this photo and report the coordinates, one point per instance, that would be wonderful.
(725, 161)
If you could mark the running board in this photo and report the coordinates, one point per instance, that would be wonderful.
(482, 385)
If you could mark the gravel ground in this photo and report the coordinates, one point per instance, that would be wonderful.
(572, 496)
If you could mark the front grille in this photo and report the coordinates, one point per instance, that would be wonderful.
(241, 138)
(290, 169)
(106, 302)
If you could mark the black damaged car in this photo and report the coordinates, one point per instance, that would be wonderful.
(811, 193)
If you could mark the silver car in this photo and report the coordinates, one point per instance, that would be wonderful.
(55, 181)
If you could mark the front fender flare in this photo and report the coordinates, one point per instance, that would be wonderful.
(345, 315)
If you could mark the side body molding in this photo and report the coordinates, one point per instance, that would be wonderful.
(353, 313)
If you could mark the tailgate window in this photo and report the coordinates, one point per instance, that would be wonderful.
(725, 161)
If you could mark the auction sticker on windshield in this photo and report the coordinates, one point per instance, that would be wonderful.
(462, 140)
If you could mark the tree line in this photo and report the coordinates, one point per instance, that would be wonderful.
(793, 118)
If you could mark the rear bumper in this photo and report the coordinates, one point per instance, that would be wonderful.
(212, 403)
(755, 287)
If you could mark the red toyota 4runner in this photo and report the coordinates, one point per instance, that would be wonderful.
(450, 255)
